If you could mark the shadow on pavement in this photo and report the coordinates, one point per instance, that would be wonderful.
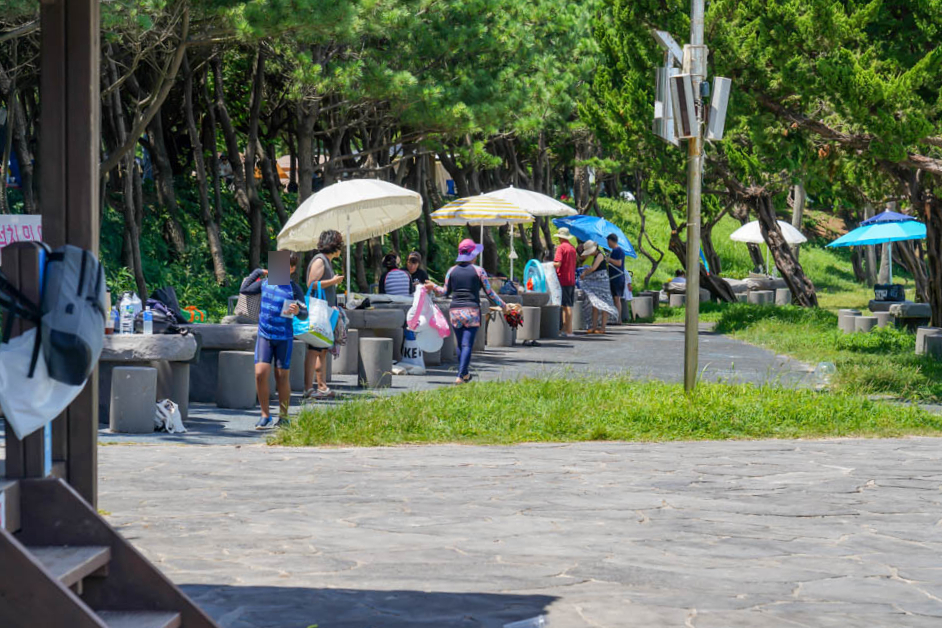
(288, 607)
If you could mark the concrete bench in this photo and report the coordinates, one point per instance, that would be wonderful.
(235, 386)
(911, 316)
(168, 354)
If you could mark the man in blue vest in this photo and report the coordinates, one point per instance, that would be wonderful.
(280, 303)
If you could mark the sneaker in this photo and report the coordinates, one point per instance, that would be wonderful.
(310, 392)
(264, 423)
(327, 393)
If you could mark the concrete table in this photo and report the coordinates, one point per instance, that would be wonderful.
(216, 338)
(169, 354)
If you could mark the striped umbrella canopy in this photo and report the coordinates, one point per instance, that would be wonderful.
(483, 211)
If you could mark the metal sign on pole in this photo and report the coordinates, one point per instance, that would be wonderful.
(680, 113)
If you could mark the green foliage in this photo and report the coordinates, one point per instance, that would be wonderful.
(619, 408)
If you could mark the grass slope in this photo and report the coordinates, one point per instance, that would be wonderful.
(548, 410)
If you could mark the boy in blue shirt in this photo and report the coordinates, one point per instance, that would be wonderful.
(275, 337)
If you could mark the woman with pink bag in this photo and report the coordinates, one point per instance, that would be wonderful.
(463, 284)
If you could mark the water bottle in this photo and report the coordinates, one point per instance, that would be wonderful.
(126, 307)
(148, 322)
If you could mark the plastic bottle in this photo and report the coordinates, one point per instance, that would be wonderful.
(130, 305)
(148, 322)
(115, 320)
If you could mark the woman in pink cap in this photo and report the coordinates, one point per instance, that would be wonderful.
(463, 284)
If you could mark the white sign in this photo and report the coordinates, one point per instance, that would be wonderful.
(20, 228)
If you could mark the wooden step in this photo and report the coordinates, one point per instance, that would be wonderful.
(140, 619)
(72, 563)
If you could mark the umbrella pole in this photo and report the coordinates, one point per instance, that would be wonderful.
(889, 261)
(347, 278)
(513, 236)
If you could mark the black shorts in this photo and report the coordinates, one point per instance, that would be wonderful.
(617, 286)
(569, 296)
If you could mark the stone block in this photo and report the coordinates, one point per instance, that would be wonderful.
(499, 333)
(742, 297)
(549, 321)
(449, 350)
(655, 297)
(921, 334)
(845, 320)
(534, 299)
(761, 297)
(133, 399)
(704, 295)
(480, 340)
(226, 337)
(934, 346)
(203, 377)
(376, 319)
(884, 319)
(298, 354)
(783, 296)
(512, 298)
(235, 384)
(397, 335)
(375, 362)
(642, 307)
(864, 323)
(530, 328)
(678, 300)
(140, 348)
(346, 363)
(578, 317)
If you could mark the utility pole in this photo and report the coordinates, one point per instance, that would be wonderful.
(680, 112)
(695, 55)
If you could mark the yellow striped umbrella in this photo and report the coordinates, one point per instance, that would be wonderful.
(484, 211)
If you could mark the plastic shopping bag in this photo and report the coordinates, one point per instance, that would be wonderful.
(167, 417)
(552, 284)
(318, 330)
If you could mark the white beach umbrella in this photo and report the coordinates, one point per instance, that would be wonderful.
(359, 208)
(751, 233)
(533, 203)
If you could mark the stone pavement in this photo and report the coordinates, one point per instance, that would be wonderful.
(644, 351)
(839, 533)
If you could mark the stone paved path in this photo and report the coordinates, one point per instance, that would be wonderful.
(644, 351)
(842, 533)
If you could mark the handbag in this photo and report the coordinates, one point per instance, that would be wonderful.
(249, 306)
(318, 330)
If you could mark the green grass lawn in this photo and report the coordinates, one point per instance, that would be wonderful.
(554, 410)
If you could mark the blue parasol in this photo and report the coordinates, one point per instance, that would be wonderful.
(886, 216)
(595, 229)
(884, 231)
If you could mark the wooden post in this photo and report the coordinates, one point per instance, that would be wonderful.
(69, 155)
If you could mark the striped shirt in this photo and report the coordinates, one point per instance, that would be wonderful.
(396, 282)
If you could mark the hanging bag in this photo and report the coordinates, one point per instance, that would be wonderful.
(318, 330)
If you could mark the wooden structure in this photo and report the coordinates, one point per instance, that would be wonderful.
(61, 564)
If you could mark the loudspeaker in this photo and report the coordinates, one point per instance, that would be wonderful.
(686, 124)
(716, 120)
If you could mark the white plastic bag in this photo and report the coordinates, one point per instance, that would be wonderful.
(167, 417)
(318, 330)
(552, 284)
(29, 403)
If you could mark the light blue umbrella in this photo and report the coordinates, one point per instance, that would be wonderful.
(595, 229)
(883, 233)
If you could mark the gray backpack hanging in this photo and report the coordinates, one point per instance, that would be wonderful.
(73, 314)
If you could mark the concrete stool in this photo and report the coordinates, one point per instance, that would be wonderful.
(375, 363)
(346, 362)
(235, 386)
(626, 311)
(298, 354)
(742, 297)
(921, 334)
(934, 346)
(499, 333)
(655, 297)
(133, 399)
(397, 335)
(642, 307)
(761, 297)
(864, 323)
(783, 296)
(511, 298)
(529, 330)
(549, 322)
(534, 299)
(845, 320)
(678, 300)
(578, 318)
(884, 319)
(705, 295)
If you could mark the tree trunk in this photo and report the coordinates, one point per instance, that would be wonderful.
(856, 262)
(256, 207)
(800, 285)
(363, 284)
(432, 201)
(229, 135)
(932, 214)
(306, 120)
(25, 158)
(7, 148)
(870, 253)
(163, 179)
(641, 207)
(212, 229)
(916, 267)
(267, 162)
(212, 147)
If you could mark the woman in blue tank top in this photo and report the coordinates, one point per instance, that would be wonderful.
(463, 284)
